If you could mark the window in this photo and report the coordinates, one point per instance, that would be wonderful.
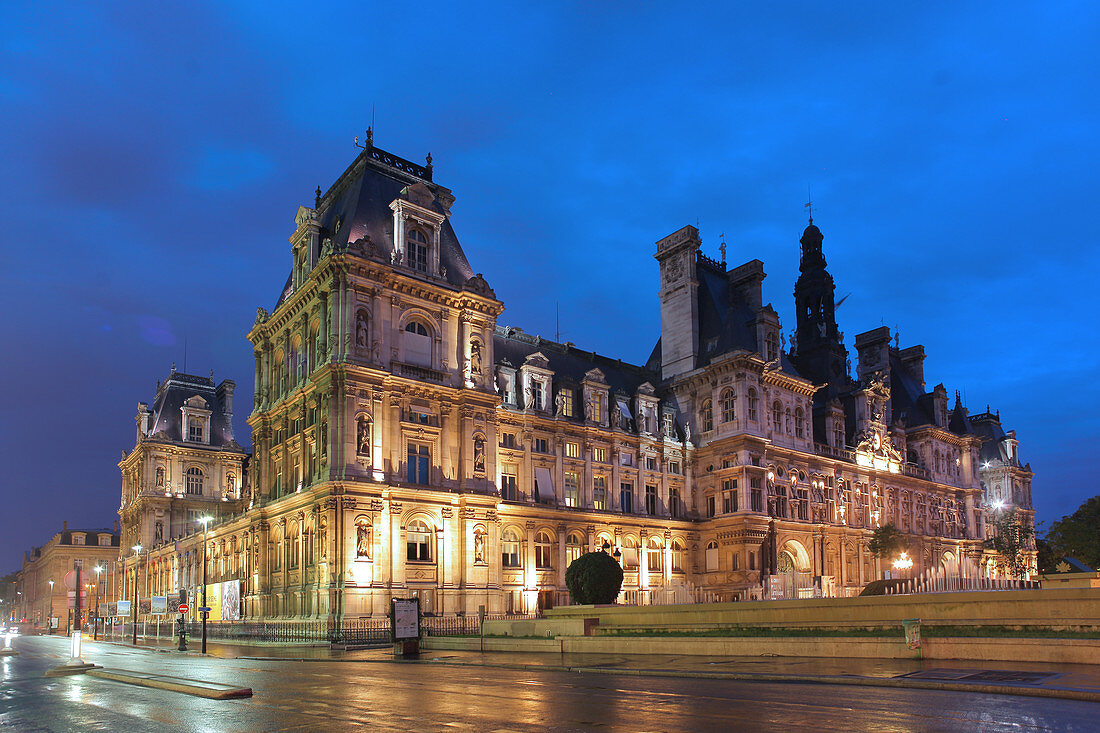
(756, 495)
(735, 561)
(668, 426)
(753, 404)
(650, 500)
(777, 416)
(78, 539)
(105, 540)
(707, 416)
(543, 546)
(599, 455)
(508, 440)
(773, 346)
(653, 555)
(418, 542)
(626, 458)
(674, 467)
(574, 547)
(541, 446)
(292, 549)
(194, 480)
(566, 402)
(419, 460)
(674, 502)
(194, 429)
(417, 250)
(651, 463)
(630, 553)
(509, 549)
(838, 434)
(729, 406)
(712, 556)
(536, 394)
(572, 489)
(418, 345)
(677, 556)
(710, 506)
(599, 492)
(799, 423)
(572, 450)
(752, 560)
(729, 496)
(509, 490)
(626, 498)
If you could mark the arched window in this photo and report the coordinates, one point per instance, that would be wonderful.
(777, 416)
(293, 547)
(417, 250)
(654, 555)
(729, 406)
(707, 416)
(799, 423)
(509, 549)
(418, 344)
(543, 551)
(574, 547)
(630, 553)
(418, 542)
(194, 480)
(677, 556)
(712, 556)
(753, 403)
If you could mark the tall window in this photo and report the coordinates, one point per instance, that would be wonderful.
(574, 547)
(773, 346)
(674, 502)
(753, 404)
(626, 498)
(729, 406)
(677, 556)
(509, 490)
(509, 549)
(599, 455)
(543, 546)
(417, 250)
(799, 423)
(710, 506)
(292, 549)
(572, 450)
(838, 434)
(653, 554)
(419, 462)
(194, 480)
(599, 492)
(729, 496)
(572, 489)
(712, 556)
(707, 417)
(418, 345)
(418, 542)
(566, 402)
(777, 416)
(756, 494)
(194, 429)
(650, 500)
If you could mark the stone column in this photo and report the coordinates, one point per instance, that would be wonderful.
(397, 551)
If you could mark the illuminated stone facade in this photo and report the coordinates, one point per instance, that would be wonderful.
(406, 443)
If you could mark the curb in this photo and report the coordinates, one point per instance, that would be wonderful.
(198, 690)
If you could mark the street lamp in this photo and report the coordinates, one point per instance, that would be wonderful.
(903, 562)
(205, 531)
(95, 619)
(49, 621)
(137, 557)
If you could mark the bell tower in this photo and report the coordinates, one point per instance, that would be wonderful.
(819, 353)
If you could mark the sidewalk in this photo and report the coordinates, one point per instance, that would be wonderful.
(1036, 679)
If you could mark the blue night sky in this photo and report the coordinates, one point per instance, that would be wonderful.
(154, 159)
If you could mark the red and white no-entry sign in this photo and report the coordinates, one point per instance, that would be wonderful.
(183, 608)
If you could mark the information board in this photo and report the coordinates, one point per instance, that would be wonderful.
(406, 618)
(159, 605)
(124, 608)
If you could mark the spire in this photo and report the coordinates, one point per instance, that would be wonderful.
(812, 256)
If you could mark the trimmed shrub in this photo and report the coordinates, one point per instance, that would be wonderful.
(594, 577)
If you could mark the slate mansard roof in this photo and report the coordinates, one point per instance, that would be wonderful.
(167, 415)
(357, 206)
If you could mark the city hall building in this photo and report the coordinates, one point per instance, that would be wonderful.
(407, 444)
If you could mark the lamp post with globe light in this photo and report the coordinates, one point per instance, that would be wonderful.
(95, 619)
(205, 531)
(49, 621)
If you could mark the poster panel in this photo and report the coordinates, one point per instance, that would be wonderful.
(213, 601)
(159, 605)
(406, 618)
(123, 608)
(231, 600)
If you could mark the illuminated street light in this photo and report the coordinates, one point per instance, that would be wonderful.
(95, 619)
(205, 521)
(999, 504)
(49, 621)
(903, 562)
(137, 557)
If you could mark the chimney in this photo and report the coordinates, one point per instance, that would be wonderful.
(874, 351)
(65, 525)
(225, 397)
(746, 283)
(912, 359)
(116, 526)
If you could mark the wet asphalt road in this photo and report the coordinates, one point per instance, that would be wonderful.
(337, 696)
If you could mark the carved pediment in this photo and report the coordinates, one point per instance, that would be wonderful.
(595, 375)
(537, 359)
(196, 402)
(418, 194)
(647, 389)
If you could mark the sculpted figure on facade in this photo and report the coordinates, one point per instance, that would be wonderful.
(479, 546)
(479, 454)
(362, 440)
(475, 358)
(361, 334)
(362, 539)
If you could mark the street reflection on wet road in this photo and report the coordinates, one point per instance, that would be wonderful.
(333, 695)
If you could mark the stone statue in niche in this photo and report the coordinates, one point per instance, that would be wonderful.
(376, 351)
(479, 547)
(528, 397)
(616, 416)
(362, 540)
(475, 358)
(160, 478)
(559, 404)
(361, 331)
(323, 539)
(159, 532)
(362, 439)
(479, 454)
(643, 422)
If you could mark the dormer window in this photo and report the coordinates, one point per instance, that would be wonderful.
(417, 250)
(105, 540)
(772, 346)
(78, 539)
(194, 429)
(194, 480)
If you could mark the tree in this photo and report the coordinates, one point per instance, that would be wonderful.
(1078, 535)
(594, 577)
(887, 542)
(1012, 535)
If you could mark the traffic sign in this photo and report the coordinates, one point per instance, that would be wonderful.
(183, 608)
(204, 609)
